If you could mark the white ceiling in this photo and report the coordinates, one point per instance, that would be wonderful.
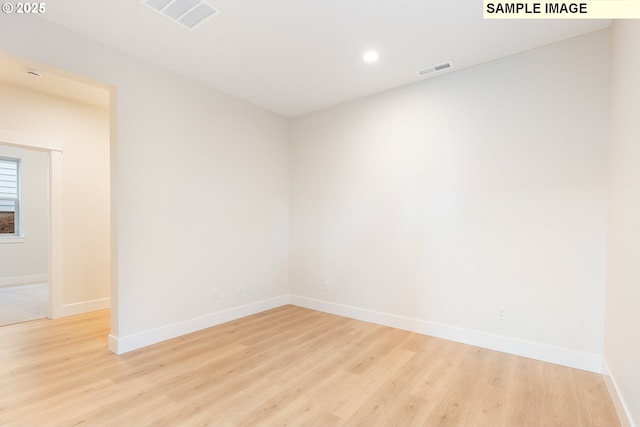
(298, 56)
(14, 72)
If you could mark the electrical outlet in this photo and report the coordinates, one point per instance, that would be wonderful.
(215, 294)
(325, 286)
(502, 313)
(240, 289)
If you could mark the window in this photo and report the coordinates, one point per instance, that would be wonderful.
(9, 197)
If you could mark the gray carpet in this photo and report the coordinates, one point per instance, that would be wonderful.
(23, 303)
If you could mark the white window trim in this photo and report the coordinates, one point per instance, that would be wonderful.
(17, 234)
(11, 239)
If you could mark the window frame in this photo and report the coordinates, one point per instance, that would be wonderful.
(17, 214)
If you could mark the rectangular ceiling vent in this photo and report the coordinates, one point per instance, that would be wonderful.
(434, 69)
(188, 13)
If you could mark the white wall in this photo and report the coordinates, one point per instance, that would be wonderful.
(622, 343)
(203, 202)
(84, 133)
(220, 163)
(437, 202)
(25, 261)
(442, 200)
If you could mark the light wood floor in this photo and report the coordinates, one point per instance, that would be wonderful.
(288, 366)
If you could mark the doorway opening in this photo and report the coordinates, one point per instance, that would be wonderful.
(68, 119)
(24, 234)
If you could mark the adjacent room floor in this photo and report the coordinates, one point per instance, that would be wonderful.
(288, 366)
(23, 303)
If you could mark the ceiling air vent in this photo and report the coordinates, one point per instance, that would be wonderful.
(188, 13)
(434, 69)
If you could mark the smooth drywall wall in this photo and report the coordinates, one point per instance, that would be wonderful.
(446, 199)
(203, 201)
(199, 186)
(25, 261)
(622, 335)
(83, 131)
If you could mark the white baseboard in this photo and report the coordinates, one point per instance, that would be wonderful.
(120, 345)
(533, 350)
(618, 401)
(24, 280)
(85, 307)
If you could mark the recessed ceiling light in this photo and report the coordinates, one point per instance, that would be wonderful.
(371, 56)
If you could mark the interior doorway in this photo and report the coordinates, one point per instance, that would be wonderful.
(68, 118)
(15, 142)
(24, 234)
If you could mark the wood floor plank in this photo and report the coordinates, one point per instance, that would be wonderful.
(284, 367)
(384, 408)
